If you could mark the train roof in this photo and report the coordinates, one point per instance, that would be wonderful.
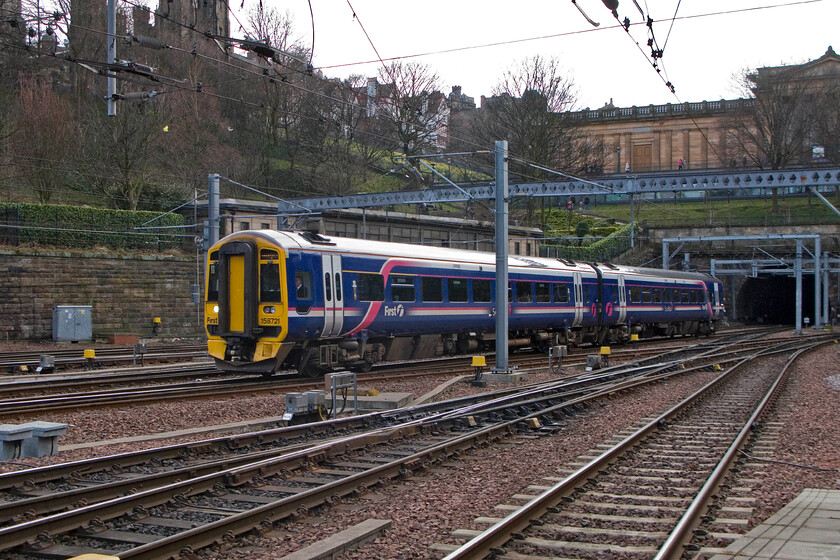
(305, 240)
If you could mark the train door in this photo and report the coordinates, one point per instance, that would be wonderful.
(622, 299)
(716, 306)
(333, 296)
(578, 300)
(237, 289)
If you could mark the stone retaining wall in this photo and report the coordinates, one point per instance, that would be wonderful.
(126, 292)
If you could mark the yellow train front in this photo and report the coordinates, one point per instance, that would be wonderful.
(246, 304)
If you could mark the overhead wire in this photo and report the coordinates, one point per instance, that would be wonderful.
(382, 61)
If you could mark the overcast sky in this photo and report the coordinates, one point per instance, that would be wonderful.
(709, 42)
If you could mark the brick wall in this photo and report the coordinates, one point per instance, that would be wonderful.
(126, 292)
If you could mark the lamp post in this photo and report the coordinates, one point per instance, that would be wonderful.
(618, 158)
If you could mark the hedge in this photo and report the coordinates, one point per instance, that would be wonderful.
(603, 250)
(57, 225)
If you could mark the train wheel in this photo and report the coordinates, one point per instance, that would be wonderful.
(309, 365)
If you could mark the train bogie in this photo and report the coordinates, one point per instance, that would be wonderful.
(301, 301)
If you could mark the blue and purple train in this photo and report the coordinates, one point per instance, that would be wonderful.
(299, 300)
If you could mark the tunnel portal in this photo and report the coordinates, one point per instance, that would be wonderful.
(772, 299)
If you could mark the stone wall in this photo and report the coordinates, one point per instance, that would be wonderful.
(126, 292)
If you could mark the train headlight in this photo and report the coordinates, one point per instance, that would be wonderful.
(215, 309)
(269, 309)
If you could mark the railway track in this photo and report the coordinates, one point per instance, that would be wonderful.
(191, 504)
(74, 357)
(651, 494)
(31, 396)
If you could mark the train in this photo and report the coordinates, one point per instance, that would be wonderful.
(298, 300)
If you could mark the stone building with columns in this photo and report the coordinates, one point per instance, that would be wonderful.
(698, 134)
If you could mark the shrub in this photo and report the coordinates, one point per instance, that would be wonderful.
(81, 226)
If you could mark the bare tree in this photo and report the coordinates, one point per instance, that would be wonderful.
(774, 128)
(44, 139)
(408, 97)
(528, 110)
(122, 153)
(352, 142)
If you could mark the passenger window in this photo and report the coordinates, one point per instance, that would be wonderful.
(684, 297)
(482, 291)
(303, 284)
(371, 287)
(457, 289)
(543, 292)
(523, 292)
(657, 295)
(667, 295)
(561, 293)
(646, 295)
(431, 289)
(270, 282)
(635, 295)
(402, 288)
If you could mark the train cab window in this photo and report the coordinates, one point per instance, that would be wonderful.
(213, 279)
(657, 295)
(431, 289)
(303, 284)
(647, 297)
(635, 294)
(523, 292)
(402, 288)
(370, 287)
(270, 282)
(457, 289)
(482, 291)
(543, 290)
(561, 293)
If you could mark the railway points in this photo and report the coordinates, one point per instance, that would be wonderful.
(583, 417)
